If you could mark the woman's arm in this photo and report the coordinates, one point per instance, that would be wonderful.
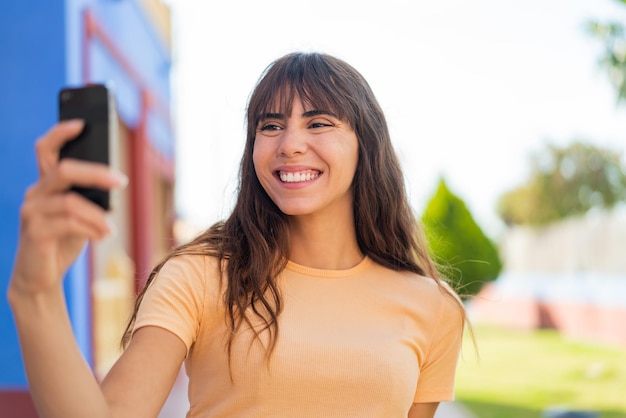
(60, 381)
(54, 227)
(63, 385)
(423, 410)
(140, 381)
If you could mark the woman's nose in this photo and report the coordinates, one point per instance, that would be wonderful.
(292, 142)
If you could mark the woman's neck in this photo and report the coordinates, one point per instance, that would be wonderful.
(322, 244)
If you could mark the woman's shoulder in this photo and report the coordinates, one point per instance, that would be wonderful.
(191, 270)
(191, 261)
(418, 285)
(406, 277)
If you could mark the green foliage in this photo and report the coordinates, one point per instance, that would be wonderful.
(565, 182)
(467, 257)
(613, 35)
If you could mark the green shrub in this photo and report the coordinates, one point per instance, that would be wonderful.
(466, 256)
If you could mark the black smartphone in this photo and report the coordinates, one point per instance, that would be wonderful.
(95, 105)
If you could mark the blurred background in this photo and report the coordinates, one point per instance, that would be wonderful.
(508, 118)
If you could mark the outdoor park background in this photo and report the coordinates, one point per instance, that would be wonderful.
(471, 89)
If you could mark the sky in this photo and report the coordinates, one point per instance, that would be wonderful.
(470, 88)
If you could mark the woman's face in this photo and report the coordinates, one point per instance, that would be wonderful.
(306, 161)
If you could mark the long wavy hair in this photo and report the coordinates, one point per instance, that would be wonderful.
(253, 242)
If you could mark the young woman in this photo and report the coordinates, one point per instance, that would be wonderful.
(315, 298)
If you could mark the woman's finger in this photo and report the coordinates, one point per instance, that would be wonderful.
(48, 146)
(62, 227)
(69, 209)
(71, 172)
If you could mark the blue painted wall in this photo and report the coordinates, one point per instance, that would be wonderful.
(32, 53)
(40, 52)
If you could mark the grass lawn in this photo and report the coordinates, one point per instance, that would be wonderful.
(518, 374)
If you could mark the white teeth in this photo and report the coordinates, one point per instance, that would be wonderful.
(297, 177)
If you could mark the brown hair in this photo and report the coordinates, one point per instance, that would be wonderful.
(254, 240)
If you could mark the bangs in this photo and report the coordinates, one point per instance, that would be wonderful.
(308, 77)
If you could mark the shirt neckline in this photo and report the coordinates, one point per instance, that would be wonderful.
(329, 274)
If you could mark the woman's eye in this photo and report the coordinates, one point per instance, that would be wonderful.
(320, 124)
(270, 127)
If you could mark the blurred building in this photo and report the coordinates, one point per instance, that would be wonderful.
(569, 276)
(44, 46)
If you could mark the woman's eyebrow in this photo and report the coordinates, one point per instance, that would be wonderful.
(310, 113)
(271, 116)
(307, 114)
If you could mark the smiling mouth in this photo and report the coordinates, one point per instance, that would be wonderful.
(298, 176)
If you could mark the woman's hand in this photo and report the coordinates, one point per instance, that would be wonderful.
(55, 223)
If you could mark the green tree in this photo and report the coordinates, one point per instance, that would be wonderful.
(613, 59)
(464, 253)
(565, 182)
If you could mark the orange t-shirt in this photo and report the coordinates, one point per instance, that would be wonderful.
(362, 342)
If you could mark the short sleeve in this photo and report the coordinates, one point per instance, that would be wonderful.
(175, 299)
(437, 373)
